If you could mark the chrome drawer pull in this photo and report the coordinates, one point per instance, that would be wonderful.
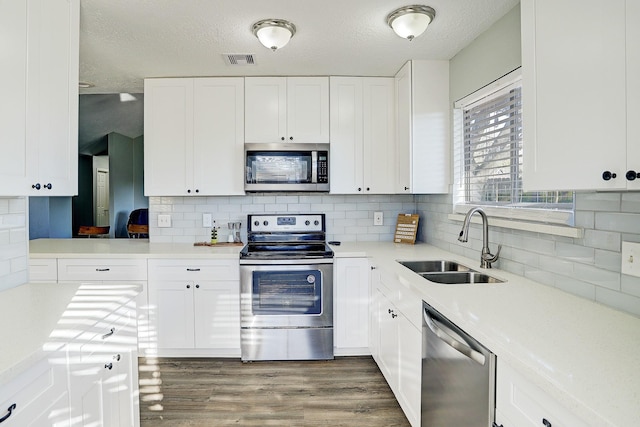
(193, 269)
(10, 410)
(108, 334)
(103, 269)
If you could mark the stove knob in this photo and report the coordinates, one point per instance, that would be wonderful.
(307, 222)
(316, 222)
(265, 223)
(256, 223)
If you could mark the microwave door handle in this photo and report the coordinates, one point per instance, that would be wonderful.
(314, 167)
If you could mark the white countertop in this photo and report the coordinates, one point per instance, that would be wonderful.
(126, 248)
(583, 354)
(37, 318)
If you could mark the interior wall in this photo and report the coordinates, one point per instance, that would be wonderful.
(50, 217)
(125, 185)
(14, 261)
(82, 204)
(588, 267)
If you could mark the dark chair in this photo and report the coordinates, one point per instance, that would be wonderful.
(138, 224)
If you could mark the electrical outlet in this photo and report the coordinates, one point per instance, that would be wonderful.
(631, 258)
(207, 221)
(164, 221)
(378, 218)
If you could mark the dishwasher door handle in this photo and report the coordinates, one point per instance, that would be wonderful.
(463, 348)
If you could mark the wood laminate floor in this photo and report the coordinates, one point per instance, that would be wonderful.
(345, 392)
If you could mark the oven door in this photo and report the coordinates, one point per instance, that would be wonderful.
(286, 295)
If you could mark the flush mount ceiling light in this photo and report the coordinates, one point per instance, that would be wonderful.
(410, 21)
(273, 33)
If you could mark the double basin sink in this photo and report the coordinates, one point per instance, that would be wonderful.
(448, 272)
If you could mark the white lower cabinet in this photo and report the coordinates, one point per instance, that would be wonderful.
(397, 344)
(43, 270)
(110, 271)
(351, 306)
(520, 403)
(195, 307)
(103, 372)
(38, 397)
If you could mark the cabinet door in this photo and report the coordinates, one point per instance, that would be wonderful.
(525, 404)
(403, 129)
(574, 96)
(633, 91)
(171, 313)
(308, 110)
(351, 301)
(265, 109)
(218, 136)
(52, 98)
(40, 395)
(346, 135)
(168, 142)
(379, 135)
(388, 340)
(14, 162)
(409, 368)
(217, 315)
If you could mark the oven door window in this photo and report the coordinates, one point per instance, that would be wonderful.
(287, 292)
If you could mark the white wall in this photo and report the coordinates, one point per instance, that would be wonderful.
(13, 242)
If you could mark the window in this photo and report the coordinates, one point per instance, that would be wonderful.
(489, 150)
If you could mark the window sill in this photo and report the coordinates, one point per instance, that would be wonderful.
(556, 230)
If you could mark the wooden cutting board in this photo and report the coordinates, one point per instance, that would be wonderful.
(406, 228)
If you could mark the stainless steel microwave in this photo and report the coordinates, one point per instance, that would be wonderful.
(286, 167)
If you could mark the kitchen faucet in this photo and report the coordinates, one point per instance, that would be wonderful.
(486, 258)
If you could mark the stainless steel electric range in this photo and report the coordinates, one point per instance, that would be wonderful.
(286, 284)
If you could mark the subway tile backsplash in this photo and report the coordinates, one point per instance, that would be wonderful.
(588, 267)
(13, 242)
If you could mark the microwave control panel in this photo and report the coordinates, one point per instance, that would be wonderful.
(323, 167)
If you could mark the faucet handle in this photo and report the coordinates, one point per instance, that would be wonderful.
(490, 258)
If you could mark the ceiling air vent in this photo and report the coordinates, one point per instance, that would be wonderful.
(239, 59)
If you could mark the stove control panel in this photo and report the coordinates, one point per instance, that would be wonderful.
(287, 223)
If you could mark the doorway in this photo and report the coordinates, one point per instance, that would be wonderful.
(102, 197)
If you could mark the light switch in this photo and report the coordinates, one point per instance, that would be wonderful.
(631, 258)
(164, 221)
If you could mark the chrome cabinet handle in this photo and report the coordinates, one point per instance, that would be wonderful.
(36, 187)
(103, 269)
(108, 366)
(48, 186)
(546, 422)
(452, 342)
(193, 269)
(10, 410)
(108, 334)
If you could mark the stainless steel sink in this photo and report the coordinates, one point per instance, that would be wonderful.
(448, 272)
(433, 266)
(458, 277)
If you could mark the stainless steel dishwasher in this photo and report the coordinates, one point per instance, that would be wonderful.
(458, 375)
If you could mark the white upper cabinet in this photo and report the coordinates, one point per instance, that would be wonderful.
(194, 136)
(423, 128)
(362, 135)
(39, 125)
(580, 94)
(292, 109)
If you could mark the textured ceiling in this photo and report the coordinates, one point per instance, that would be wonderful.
(124, 41)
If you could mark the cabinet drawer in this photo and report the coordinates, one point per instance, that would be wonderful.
(520, 401)
(70, 269)
(190, 269)
(43, 270)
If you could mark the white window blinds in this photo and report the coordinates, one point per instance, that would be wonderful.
(492, 155)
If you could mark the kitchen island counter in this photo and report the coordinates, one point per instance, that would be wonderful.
(582, 354)
(126, 248)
